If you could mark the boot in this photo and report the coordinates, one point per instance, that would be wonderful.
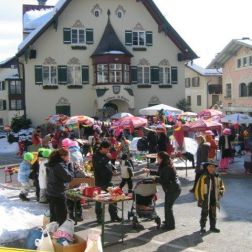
(214, 230)
(23, 197)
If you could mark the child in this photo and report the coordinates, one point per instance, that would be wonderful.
(23, 175)
(248, 161)
(208, 191)
(126, 173)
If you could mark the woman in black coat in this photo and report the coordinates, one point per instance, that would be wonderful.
(59, 173)
(168, 178)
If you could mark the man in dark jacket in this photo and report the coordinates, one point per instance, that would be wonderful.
(103, 173)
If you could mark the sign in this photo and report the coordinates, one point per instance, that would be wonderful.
(116, 89)
(116, 97)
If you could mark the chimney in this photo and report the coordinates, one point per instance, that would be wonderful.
(245, 38)
(42, 2)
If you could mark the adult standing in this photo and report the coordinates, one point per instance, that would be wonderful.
(226, 149)
(59, 173)
(168, 178)
(202, 157)
(212, 145)
(36, 139)
(103, 173)
(152, 143)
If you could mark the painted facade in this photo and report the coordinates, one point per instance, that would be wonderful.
(237, 76)
(73, 87)
(203, 87)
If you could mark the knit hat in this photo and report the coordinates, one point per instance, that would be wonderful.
(226, 131)
(73, 144)
(28, 156)
(46, 153)
(209, 133)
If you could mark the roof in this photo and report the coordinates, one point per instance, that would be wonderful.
(229, 51)
(186, 51)
(204, 71)
(110, 43)
(9, 63)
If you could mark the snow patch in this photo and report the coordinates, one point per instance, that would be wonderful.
(114, 52)
(204, 71)
(6, 147)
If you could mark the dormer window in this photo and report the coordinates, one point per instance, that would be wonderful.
(120, 11)
(97, 13)
(119, 14)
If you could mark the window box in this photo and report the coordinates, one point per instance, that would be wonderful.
(144, 86)
(139, 49)
(78, 47)
(165, 86)
(74, 86)
(50, 86)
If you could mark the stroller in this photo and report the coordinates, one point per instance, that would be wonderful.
(144, 202)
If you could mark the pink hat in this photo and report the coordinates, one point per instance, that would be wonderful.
(66, 142)
(209, 133)
(73, 144)
(226, 131)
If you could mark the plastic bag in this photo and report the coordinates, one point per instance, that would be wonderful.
(45, 243)
(94, 243)
(33, 235)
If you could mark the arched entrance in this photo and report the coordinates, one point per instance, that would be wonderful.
(114, 106)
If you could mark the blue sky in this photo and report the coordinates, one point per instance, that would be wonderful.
(207, 26)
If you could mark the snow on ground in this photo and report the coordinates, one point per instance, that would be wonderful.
(6, 147)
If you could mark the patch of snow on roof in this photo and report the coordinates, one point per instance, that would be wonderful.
(34, 18)
(204, 71)
(245, 41)
(114, 52)
(57, 7)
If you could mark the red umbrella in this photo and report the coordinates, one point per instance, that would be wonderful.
(202, 125)
(130, 122)
(208, 113)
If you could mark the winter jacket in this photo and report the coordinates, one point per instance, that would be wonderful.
(225, 147)
(57, 176)
(204, 187)
(202, 154)
(213, 147)
(126, 169)
(102, 169)
(24, 172)
(167, 177)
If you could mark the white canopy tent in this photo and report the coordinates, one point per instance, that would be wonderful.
(237, 119)
(150, 111)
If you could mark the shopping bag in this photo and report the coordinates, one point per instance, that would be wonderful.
(94, 243)
(33, 235)
(45, 243)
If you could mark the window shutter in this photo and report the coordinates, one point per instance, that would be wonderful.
(154, 75)
(4, 104)
(3, 85)
(128, 38)
(85, 74)
(62, 74)
(67, 35)
(38, 75)
(174, 75)
(149, 38)
(134, 79)
(89, 36)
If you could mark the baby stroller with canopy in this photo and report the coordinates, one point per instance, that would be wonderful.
(144, 202)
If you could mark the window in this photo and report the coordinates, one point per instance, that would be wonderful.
(143, 75)
(78, 36)
(102, 73)
(244, 61)
(2, 86)
(119, 14)
(164, 75)
(239, 63)
(228, 90)
(74, 75)
(15, 87)
(188, 100)
(115, 73)
(1, 121)
(16, 104)
(97, 13)
(139, 38)
(243, 90)
(187, 82)
(126, 76)
(198, 100)
(174, 75)
(2, 105)
(250, 89)
(195, 82)
(49, 74)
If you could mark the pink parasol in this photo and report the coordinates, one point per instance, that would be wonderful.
(208, 113)
(57, 119)
(202, 125)
(130, 122)
(75, 121)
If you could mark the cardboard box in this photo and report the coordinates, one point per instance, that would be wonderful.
(79, 245)
(77, 181)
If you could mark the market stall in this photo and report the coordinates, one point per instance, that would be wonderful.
(153, 110)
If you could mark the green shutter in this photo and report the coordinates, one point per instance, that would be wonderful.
(67, 35)
(149, 38)
(4, 104)
(89, 36)
(38, 75)
(154, 75)
(3, 85)
(128, 38)
(134, 75)
(62, 74)
(174, 75)
(85, 74)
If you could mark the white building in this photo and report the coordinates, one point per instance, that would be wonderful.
(99, 57)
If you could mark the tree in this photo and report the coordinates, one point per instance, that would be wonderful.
(183, 105)
(20, 122)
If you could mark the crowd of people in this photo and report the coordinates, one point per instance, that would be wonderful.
(58, 157)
